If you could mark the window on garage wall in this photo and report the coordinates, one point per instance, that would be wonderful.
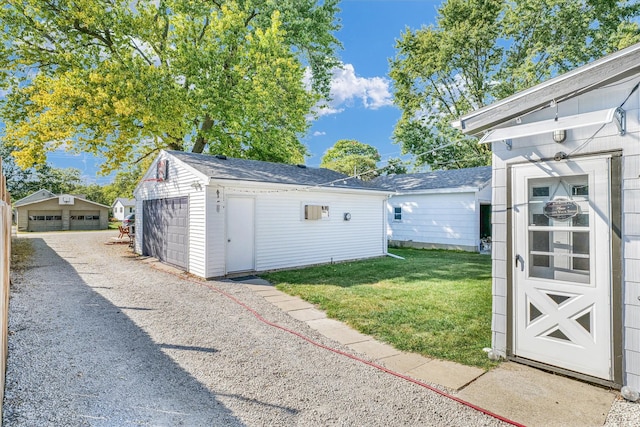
(316, 212)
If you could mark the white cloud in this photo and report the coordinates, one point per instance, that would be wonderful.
(347, 88)
(318, 133)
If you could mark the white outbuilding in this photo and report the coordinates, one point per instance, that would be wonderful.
(444, 209)
(121, 207)
(215, 216)
(566, 221)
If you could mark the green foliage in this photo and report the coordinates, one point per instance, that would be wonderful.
(20, 182)
(123, 185)
(435, 303)
(352, 158)
(122, 80)
(480, 51)
(60, 181)
(395, 167)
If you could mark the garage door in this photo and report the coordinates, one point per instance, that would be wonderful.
(84, 220)
(45, 221)
(165, 230)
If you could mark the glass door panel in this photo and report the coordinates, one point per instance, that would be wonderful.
(559, 233)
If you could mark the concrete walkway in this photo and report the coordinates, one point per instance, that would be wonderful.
(526, 395)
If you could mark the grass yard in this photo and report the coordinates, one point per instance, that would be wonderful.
(436, 303)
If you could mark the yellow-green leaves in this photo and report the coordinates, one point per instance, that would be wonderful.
(124, 79)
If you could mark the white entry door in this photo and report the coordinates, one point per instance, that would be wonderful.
(240, 234)
(562, 265)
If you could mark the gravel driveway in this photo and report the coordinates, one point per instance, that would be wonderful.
(100, 338)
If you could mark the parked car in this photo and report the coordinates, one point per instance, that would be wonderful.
(129, 220)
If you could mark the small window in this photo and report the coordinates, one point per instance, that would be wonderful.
(316, 212)
(580, 190)
(540, 192)
(397, 214)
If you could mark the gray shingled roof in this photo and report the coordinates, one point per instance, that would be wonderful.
(35, 196)
(259, 171)
(454, 178)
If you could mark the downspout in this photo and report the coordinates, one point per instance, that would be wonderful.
(385, 223)
(478, 219)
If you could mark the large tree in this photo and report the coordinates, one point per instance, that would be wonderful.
(124, 78)
(480, 51)
(352, 158)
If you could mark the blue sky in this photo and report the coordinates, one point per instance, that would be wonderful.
(362, 107)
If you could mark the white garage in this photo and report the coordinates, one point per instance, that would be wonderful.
(214, 216)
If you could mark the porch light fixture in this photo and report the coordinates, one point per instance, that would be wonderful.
(559, 135)
(593, 118)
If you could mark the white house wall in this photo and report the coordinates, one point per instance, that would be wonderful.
(484, 195)
(579, 141)
(216, 233)
(180, 182)
(439, 220)
(284, 239)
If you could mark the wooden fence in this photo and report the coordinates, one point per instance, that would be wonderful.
(5, 263)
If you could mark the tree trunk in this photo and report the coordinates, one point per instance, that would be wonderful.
(201, 141)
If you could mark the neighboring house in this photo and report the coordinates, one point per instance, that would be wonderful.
(38, 195)
(122, 207)
(214, 216)
(446, 209)
(566, 221)
(45, 211)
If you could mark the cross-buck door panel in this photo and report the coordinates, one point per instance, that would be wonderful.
(562, 273)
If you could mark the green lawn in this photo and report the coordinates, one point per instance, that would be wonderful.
(436, 303)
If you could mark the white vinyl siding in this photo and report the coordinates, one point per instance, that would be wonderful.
(443, 219)
(580, 141)
(216, 237)
(283, 240)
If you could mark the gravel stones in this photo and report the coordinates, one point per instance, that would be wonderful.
(100, 338)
